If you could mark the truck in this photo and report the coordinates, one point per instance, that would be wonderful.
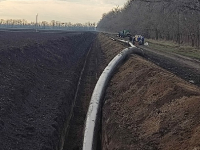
(124, 33)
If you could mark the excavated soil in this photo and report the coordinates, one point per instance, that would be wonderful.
(149, 108)
(145, 106)
(38, 79)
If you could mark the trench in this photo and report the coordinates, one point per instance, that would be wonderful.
(38, 84)
(144, 56)
(74, 133)
(71, 116)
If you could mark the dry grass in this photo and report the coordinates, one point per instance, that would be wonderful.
(172, 47)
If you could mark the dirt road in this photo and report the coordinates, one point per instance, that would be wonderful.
(184, 67)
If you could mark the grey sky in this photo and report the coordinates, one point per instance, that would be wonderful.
(61, 10)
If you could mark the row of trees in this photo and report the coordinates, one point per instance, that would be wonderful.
(22, 23)
(177, 20)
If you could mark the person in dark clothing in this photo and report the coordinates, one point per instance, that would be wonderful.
(139, 38)
(130, 38)
(142, 40)
(134, 40)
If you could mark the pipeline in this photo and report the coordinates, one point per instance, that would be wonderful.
(93, 114)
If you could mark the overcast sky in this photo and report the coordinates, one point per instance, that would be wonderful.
(74, 11)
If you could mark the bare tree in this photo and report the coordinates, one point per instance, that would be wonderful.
(176, 20)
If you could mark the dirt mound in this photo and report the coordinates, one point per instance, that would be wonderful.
(147, 107)
(38, 82)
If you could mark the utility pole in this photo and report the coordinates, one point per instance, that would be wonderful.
(36, 24)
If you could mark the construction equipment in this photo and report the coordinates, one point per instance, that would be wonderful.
(124, 33)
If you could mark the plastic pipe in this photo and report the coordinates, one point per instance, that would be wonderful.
(91, 125)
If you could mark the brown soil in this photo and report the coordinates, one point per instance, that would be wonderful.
(147, 107)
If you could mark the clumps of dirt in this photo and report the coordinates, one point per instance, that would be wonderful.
(37, 85)
(147, 107)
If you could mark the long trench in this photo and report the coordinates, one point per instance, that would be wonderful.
(74, 136)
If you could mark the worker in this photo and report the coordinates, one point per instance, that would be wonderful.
(139, 38)
(142, 40)
(130, 38)
(134, 40)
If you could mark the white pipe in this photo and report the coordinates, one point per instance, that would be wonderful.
(131, 44)
(93, 112)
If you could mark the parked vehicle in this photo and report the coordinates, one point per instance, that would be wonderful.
(124, 33)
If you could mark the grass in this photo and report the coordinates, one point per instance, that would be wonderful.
(172, 47)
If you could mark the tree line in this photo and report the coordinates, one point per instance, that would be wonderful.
(22, 23)
(176, 20)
